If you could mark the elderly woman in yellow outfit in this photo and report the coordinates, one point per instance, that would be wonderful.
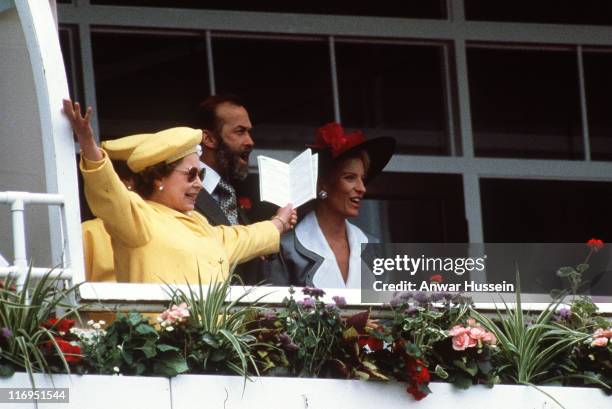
(156, 235)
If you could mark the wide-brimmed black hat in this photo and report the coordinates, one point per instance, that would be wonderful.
(333, 146)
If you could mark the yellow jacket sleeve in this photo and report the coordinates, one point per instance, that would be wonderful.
(122, 211)
(244, 243)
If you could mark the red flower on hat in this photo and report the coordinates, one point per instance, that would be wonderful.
(595, 244)
(245, 203)
(332, 137)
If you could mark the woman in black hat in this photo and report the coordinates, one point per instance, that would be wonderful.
(325, 248)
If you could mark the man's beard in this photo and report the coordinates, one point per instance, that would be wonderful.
(230, 164)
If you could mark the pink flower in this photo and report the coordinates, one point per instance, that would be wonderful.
(600, 332)
(174, 314)
(461, 342)
(599, 342)
(477, 333)
(489, 338)
(471, 322)
(458, 330)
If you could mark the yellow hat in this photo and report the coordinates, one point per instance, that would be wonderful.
(122, 148)
(165, 146)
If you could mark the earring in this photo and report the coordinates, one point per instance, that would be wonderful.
(161, 187)
(322, 194)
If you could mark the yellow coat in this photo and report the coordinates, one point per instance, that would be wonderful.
(153, 243)
(98, 252)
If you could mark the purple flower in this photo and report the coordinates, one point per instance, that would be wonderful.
(307, 303)
(270, 315)
(421, 297)
(435, 297)
(340, 301)
(565, 313)
(6, 333)
(287, 342)
(313, 292)
(411, 310)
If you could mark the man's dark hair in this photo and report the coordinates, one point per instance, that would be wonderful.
(206, 115)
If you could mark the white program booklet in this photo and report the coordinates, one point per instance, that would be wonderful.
(294, 182)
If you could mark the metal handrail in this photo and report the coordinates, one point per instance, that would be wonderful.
(18, 202)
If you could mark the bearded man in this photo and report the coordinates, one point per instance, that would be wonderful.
(226, 145)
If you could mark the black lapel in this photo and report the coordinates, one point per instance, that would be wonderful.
(210, 209)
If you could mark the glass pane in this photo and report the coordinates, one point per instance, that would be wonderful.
(69, 43)
(544, 211)
(525, 103)
(429, 210)
(541, 11)
(435, 9)
(145, 83)
(395, 90)
(598, 84)
(286, 86)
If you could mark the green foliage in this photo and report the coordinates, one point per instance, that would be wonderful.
(22, 310)
(215, 338)
(132, 346)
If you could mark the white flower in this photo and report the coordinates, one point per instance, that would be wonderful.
(90, 322)
(120, 347)
(96, 325)
(116, 369)
(102, 322)
(169, 328)
(61, 333)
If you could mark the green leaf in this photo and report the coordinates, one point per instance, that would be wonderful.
(485, 367)
(208, 339)
(470, 368)
(169, 364)
(440, 372)
(218, 355)
(566, 271)
(144, 329)
(582, 267)
(166, 347)
(6, 371)
(462, 382)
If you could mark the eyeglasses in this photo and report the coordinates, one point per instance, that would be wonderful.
(192, 173)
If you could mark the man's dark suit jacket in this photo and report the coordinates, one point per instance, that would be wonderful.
(209, 207)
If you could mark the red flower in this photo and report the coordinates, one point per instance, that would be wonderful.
(331, 136)
(416, 393)
(595, 244)
(373, 343)
(61, 326)
(245, 202)
(436, 277)
(72, 353)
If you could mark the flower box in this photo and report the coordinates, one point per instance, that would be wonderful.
(219, 392)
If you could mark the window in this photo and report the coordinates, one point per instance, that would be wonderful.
(145, 83)
(395, 90)
(525, 103)
(286, 86)
(598, 85)
(541, 11)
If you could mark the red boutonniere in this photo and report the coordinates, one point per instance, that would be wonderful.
(595, 244)
(245, 203)
(332, 137)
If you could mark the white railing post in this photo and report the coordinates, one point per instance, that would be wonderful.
(19, 241)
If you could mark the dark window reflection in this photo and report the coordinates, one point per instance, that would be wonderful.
(525, 103)
(420, 207)
(541, 11)
(395, 90)
(598, 84)
(434, 9)
(286, 86)
(543, 211)
(145, 83)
